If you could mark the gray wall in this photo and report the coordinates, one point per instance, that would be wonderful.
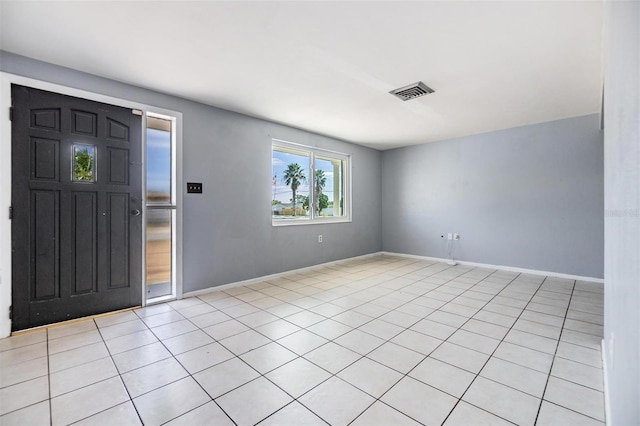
(529, 197)
(227, 230)
(622, 210)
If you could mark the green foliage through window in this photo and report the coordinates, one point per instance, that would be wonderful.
(308, 184)
(84, 163)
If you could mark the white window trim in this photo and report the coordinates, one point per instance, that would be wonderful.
(321, 152)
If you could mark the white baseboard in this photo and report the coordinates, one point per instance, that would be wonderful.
(273, 276)
(410, 256)
(502, 267)
(605, 369)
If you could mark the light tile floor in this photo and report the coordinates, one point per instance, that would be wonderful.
(376, 341)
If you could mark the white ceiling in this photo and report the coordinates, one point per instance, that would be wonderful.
(327, 66)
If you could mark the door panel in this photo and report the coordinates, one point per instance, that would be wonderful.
(118, 243)
(45, 244)
(76, 194)
(84, 240)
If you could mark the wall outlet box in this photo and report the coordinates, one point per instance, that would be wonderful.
(319, 238)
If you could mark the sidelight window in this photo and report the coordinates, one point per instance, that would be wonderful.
(160, 207)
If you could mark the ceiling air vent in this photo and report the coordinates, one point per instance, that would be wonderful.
(412, 91)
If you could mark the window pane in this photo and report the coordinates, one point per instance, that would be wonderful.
(158, 162)
(328, 187)
(158, 251)
(84, 160)
(290, 184)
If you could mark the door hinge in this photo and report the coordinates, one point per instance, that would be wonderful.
(11, 312)
(10, 113)
(10, 212)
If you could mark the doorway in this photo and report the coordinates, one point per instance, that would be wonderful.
(76, 207)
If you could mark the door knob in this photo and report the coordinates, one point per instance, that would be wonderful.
(135, 212)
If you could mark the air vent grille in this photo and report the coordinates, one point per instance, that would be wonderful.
(412, 91)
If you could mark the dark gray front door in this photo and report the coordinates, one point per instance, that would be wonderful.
(76, 199)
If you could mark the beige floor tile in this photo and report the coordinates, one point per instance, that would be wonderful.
(579, 373)
(171, 401)
(500, 400)
(63, 330)
(21, 340)
(554, 415)
(122, 329)
(370, 376)
(139, 357)
(359, 341)
(459, 356)
(95, 398)
(74, 341)
(575, 397)
(443, 376)
(244, 342)
(204, 357)
(466, 414)
(298, 376)
(526, 357)
(209, 413)
(419, 401)
(226, 376)
(328, 401)
(23, 394)
(23, 371)
(302, 341)
(268, 357)
(380, 414)
(130, 341)
(397, 357)
(123, 414)
(332, 357)
(83, 375)
(153, 376)
(294, 414)
(253, 401)
(36, 414)
(516, 376)
(187, 342)
(21, 354)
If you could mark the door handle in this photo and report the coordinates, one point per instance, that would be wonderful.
(135, 212)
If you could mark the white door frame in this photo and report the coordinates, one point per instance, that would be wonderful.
(6, 80)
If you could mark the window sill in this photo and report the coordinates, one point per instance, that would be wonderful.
(294, 222)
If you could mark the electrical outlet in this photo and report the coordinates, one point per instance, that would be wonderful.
(319, 238)
(449, 236)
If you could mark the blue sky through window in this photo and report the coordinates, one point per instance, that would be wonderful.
(280, 161)
(159, 162)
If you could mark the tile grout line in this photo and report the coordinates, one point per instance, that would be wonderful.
(553, 360)
(46, 334)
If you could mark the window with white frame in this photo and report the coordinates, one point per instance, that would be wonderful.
(309, 185)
